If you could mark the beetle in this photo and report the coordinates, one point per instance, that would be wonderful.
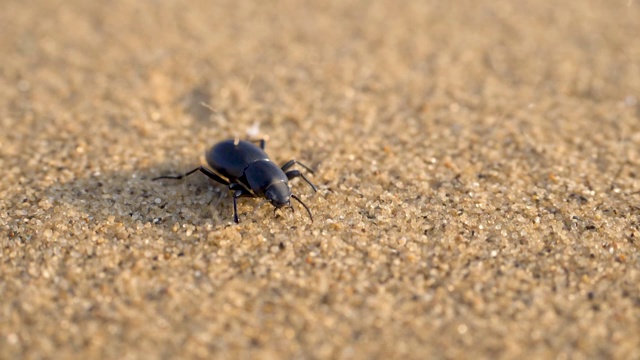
(248, 171)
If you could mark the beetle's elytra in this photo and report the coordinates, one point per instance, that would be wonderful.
(249, 172)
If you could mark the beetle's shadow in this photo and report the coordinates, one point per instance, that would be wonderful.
(133, 197)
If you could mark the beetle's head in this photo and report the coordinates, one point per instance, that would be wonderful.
(278, 194)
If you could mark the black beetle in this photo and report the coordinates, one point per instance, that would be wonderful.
(249, 172)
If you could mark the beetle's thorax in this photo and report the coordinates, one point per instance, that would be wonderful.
(262, 174)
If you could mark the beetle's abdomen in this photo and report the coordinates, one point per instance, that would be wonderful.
(230, 158)
(261, 174)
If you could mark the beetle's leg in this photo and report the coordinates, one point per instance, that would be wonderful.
(292, 162)
(262, 142)
(295, 173)
(238, 192)
(202, 169)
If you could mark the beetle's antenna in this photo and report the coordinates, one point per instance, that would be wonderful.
(305, 206)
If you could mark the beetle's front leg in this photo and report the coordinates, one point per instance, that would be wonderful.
(292, 162)
(238, 192)
(295, 173)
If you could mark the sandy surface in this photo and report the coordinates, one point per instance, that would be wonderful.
(477, 166)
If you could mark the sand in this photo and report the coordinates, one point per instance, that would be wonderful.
(476, 163)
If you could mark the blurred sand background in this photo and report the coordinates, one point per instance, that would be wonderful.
(477, 165)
